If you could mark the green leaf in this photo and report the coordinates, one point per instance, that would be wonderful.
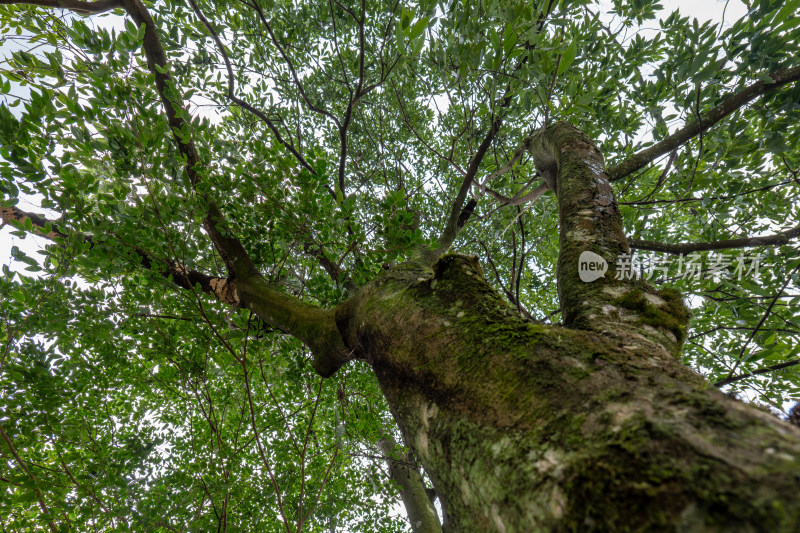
(417, 29)
(509, 39)
(568, 57)
(405, 20)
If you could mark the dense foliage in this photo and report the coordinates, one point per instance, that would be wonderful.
(334, 136)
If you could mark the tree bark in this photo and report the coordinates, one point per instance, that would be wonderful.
(528, 428)
(592, 427)
(419, 506)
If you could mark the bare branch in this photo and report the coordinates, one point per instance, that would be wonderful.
(346, 9)
(531, 197)
(706, 198)
(334, 270)
(451, 229)
(289, 64)
(242, 103)
(761, 322)
(518, 153)
(427, 145)
(663, 176)
(765, 370)
(348, 116)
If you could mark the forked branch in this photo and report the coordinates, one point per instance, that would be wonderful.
(242, 103)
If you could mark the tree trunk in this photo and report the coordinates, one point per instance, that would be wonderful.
(527, 428)
(524, 427)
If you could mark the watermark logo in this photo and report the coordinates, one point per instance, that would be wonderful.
(715, 266)
(591, 266)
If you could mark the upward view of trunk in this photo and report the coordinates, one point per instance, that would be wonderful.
(595, 426)
(592, 425)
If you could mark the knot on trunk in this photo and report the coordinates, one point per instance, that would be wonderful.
(455, 265)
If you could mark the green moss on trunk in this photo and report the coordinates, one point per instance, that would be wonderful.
(528, 428)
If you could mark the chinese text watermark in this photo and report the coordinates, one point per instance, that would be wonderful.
(716, 266)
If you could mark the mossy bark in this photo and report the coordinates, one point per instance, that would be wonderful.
(615, 304)
(527, 428)
(594, 426)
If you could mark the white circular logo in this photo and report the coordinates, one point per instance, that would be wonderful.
(591, 266)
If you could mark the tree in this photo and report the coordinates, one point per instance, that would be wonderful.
(252, 272)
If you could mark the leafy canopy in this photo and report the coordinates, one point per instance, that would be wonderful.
(334, 136)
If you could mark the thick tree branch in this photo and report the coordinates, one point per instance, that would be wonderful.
(594, 292)
(82, 8)
(230, 249)
(777, 239)
(780, 77)
(40, 224)
(314, 326)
